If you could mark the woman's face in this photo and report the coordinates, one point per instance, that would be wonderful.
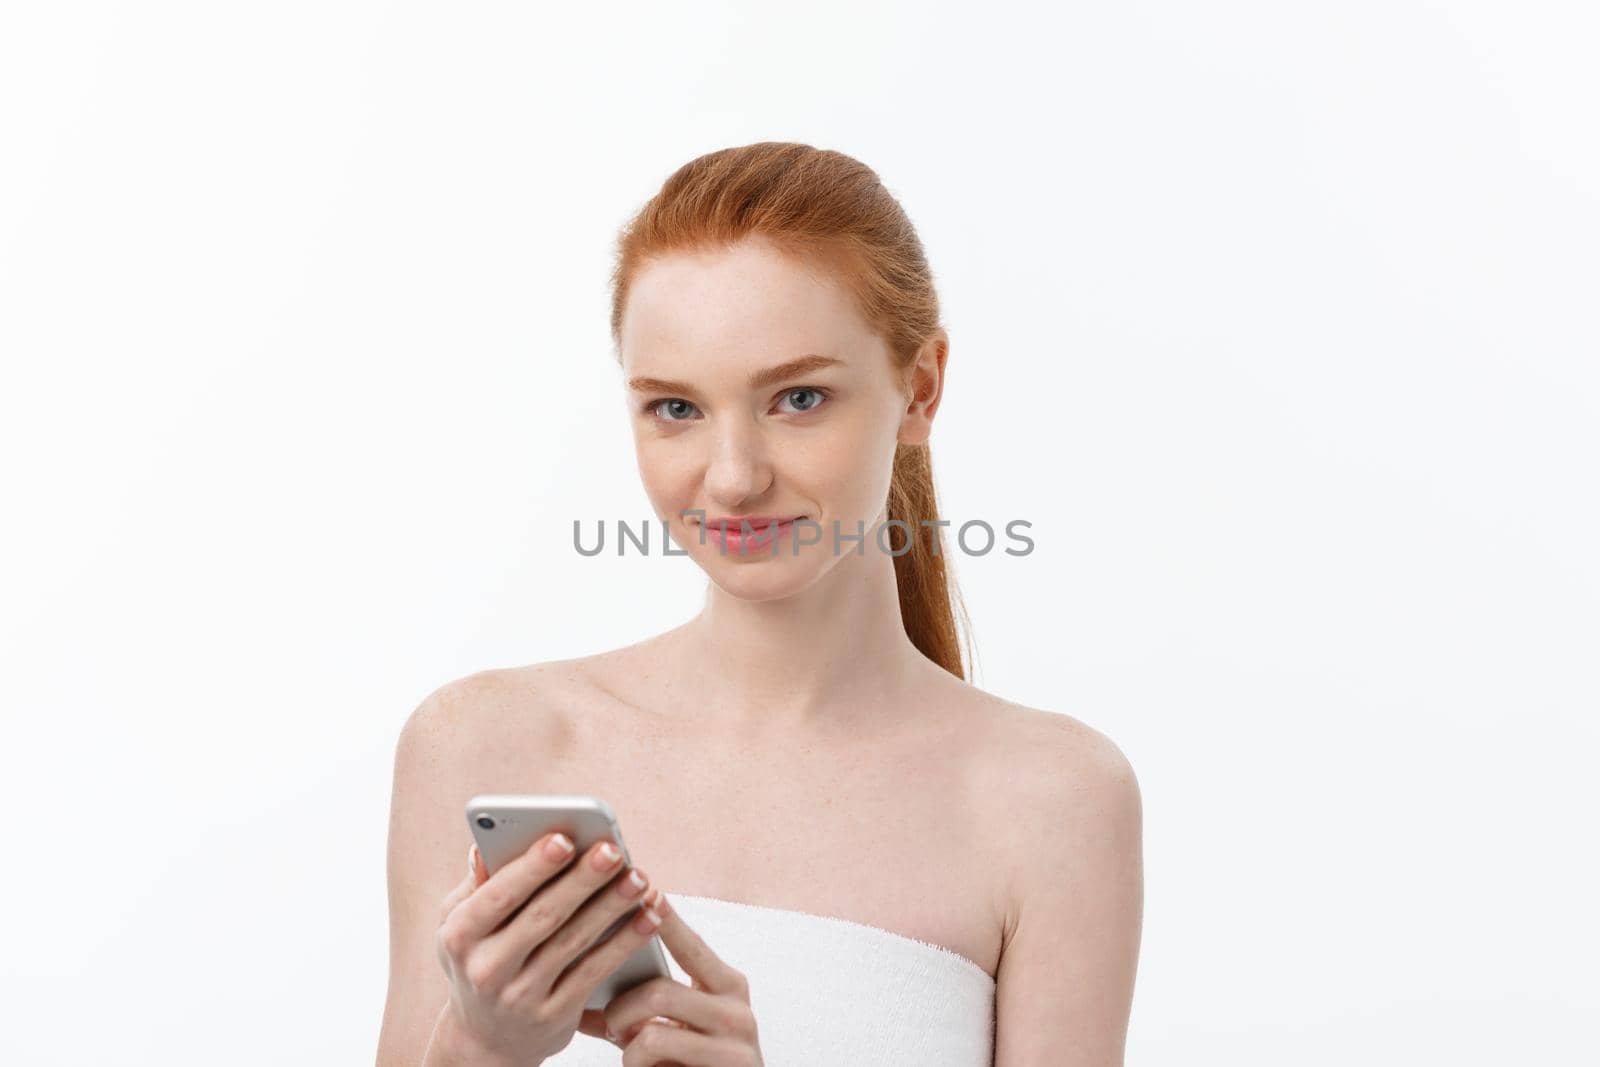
(756, 389)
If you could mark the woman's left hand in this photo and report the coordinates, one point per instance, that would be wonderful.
(664, 1023)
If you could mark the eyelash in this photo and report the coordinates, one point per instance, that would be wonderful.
(650, 406)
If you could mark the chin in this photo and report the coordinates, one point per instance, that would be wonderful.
(761, 577)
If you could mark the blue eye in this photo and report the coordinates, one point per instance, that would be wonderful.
(675, 404)
(677, 409)
(803, 408)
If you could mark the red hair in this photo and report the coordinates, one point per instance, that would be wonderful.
(832, 210)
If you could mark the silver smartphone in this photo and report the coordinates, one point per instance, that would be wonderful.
(504, 827)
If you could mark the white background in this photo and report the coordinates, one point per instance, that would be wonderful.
(1276, 320)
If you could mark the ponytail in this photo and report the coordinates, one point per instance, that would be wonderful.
(832, 209)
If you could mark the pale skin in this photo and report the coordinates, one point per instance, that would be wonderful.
(1011, 835)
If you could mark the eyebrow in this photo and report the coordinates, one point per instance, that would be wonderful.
(760, 379)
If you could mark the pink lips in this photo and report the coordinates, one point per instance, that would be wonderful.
(728, 534)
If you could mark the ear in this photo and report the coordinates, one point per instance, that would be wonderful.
(925, 385)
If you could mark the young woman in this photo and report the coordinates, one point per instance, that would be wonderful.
(851, 855)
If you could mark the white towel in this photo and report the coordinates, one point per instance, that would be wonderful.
(830, 992)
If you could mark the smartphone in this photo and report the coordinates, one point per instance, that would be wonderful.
(505, 826)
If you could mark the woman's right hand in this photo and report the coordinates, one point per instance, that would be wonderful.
(510, 1004)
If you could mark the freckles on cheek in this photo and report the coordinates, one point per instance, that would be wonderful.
(860, 444)
(669, 480)
(858, 464)
(842, 466)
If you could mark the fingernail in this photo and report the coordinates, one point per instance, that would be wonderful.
(558, 846)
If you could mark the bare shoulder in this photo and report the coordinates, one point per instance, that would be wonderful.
(487, 711)
(1053, 748)
(1033, 754)
(1063, 789)
(486, 732)
(502, 730)
(457, 742)
(1071, 848)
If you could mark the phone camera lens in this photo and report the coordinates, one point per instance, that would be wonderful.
(486, 822)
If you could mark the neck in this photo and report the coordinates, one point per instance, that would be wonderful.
(835, 652)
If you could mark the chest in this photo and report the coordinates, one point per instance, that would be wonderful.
(891, 834)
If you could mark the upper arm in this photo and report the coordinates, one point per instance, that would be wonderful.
(1064, 989)
(436, 765)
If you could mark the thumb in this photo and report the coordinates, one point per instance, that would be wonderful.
(463, 889)
(480, 873)
(593, 1023)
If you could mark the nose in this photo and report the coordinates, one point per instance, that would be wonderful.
(738, 468)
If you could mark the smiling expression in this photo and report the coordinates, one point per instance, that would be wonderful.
(756, 389)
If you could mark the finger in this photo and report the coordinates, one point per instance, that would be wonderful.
(694, 955)
(656, 1045)
(561, 923)
(593, 1023)
(462, 890)
(475, 864)
(551, 966)
(621, 1040)
(508, 889)
(720, 1014)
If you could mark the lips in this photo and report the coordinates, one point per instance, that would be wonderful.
(757, 522)
(726, 532)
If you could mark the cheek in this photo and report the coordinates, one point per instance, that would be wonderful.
(667, 472)
(852, 464)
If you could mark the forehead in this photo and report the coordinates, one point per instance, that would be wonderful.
(746, 304)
